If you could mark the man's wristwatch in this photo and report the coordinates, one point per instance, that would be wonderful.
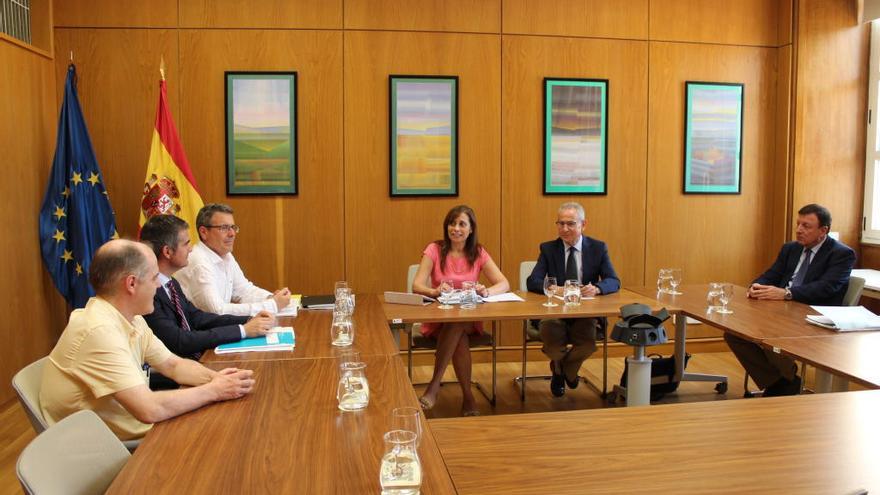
(788, 294)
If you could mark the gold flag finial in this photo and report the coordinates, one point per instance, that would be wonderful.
(162, 67)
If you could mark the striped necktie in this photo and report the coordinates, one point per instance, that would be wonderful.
(175, 300)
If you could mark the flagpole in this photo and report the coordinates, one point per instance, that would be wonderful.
(162, 67)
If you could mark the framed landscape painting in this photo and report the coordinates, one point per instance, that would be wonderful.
(713, 137)
(575, 136)
(261, 139)
(423, 135)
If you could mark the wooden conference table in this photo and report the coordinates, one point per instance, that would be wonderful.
(312, 330)
(826, 443)
(854, 355)
(781, 326)
(531, 308)
(288, 436)
(753, 320)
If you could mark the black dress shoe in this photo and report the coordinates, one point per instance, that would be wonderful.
(573, 384)
(557, 382)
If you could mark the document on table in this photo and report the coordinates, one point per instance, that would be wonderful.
(845, 318)
(289, 310)
(279, 339)
(506, 297)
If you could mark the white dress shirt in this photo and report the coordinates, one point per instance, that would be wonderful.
(217, 284)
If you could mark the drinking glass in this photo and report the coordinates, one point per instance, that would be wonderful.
(341, 330)
(713, 297)
(675, 280)
(663, 278)
(468, 295)
(447, 288)
(549, 290)
(407, 419)
(348, 355)
(725, 297)
(353, 391)
(344, 301)
(342, 284)
(571, 293)
(401, 470)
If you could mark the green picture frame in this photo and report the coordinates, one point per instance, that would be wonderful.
(423, 135)
(713, 137)
(575, 136)
(261, 133)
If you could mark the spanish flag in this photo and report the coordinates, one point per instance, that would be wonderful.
(170, 188)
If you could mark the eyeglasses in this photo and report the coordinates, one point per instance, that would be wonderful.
(570, 225)
(225, 228)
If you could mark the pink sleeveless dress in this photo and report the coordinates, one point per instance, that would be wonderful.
(458, 271)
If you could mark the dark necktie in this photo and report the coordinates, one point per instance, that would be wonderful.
(571, 267)
(802, 271)
(175, 300)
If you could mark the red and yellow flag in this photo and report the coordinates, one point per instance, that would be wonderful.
(170, 187)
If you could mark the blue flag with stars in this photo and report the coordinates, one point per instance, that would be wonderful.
(76, 217)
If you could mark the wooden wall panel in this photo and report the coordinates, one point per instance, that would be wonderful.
(829, 133)
(285, 240)
(308, 14)
(480, 16)
(712, 237)
(617, 218)
(385, 235)
(33, 310)
(781, 217)
(592, 18)
(115, 13)
(786, 16)
(118, 73)
(744, 22)
(41, 25)
(870, 257)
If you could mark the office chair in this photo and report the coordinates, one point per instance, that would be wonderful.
(27, 383)
(77, 455)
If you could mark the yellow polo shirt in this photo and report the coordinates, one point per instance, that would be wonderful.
(99, 353)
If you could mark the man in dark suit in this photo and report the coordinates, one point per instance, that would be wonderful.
(571, 256)
(186, 330)
(814, 269)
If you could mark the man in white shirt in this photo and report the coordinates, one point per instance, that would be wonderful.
(213, 281)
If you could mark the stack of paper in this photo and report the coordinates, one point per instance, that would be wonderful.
(506, 297)
(289, 310)
(279, 339)
(845, 318)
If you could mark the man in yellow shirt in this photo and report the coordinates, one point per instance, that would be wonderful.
(99, 360)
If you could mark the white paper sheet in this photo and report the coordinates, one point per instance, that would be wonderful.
(506, 297)
(848, 318)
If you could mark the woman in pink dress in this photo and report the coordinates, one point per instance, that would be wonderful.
(458, 257)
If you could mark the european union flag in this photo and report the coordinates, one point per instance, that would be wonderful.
(76, 217)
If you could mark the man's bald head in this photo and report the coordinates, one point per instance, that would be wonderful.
(116, 260)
